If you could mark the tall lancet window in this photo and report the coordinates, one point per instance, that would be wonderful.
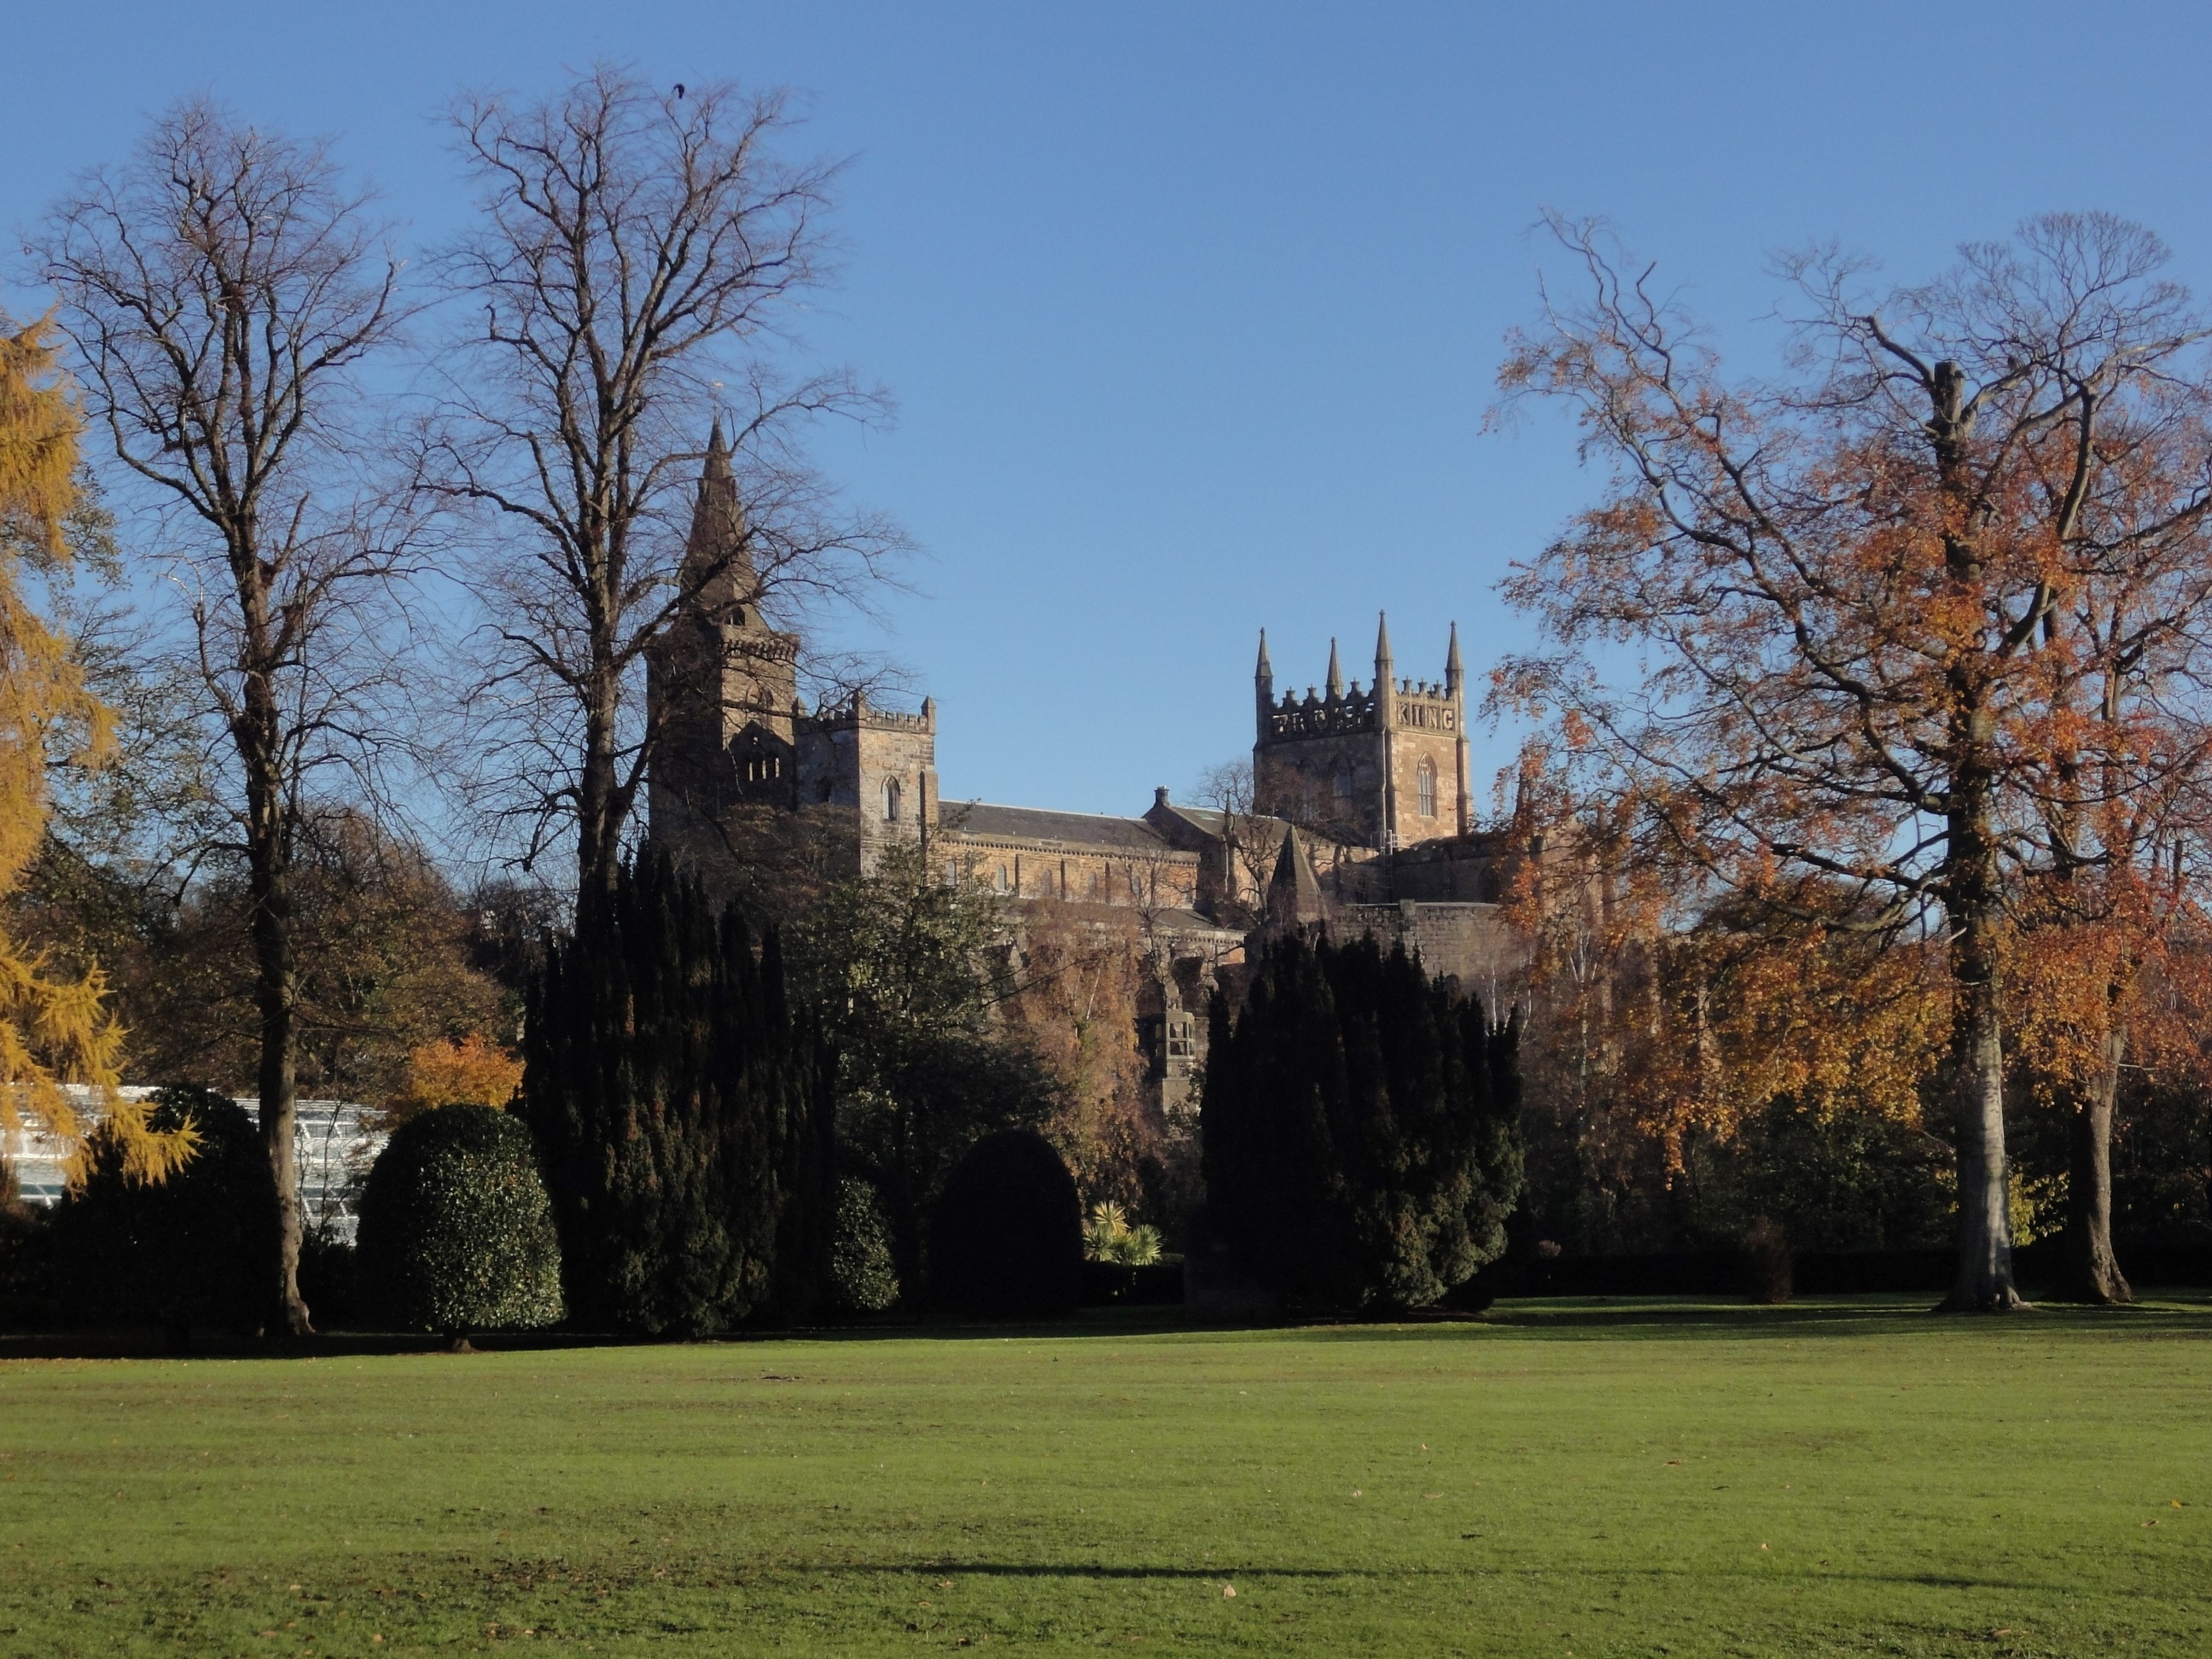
(1425, 788)
(891, 792)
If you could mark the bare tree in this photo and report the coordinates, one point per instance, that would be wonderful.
(223, 287)
(1868, 594)
(638, 261)
(1252, 841)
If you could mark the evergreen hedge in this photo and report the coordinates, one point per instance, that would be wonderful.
(1357, 1128)
(686, 1116)
(863, 1265)
(1006, 1241)
(456, 1230)
(196, 1250)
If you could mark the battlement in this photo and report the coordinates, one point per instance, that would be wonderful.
(1426, 707)
(857, 713)
(758, 645)
(1317, 716)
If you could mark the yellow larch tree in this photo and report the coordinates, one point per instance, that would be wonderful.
(53, 1030)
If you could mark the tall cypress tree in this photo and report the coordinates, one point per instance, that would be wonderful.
(1357, 1128)
(686, 1115)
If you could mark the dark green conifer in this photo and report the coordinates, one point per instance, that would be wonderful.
(1357, 1128)
(686, 1115)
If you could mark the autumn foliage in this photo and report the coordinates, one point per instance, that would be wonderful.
(471, 1071)
(1914, 626)
(53, 1029)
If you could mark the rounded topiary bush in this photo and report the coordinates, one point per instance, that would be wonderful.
(1007, 1238)
(863, 1269)
(196, 1249)
(456, 1230)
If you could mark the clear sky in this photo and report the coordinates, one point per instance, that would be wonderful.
(1192, 310)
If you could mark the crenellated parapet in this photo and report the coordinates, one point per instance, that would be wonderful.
(1317, 716)
(1425, 705)
(857, 713)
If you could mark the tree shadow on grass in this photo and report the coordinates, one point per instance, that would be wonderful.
(1627, 1319)
(1673, 1319)
(1219, 1572)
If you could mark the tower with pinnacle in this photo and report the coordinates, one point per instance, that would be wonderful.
(737, 746)
(1384, 767)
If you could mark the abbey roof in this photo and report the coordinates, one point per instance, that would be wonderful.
(985, 822)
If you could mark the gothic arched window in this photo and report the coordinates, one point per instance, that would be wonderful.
(890, 801)
(1425, 788)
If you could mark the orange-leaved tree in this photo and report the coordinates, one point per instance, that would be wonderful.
(53, 1030)
(1663, 1013)
(1855, 600)
(471, 1071)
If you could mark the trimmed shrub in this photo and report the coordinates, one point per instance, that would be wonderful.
(456, 1230)
(196, 1250)
(1007, 1240)
(863, 1270)
(1358, 1125)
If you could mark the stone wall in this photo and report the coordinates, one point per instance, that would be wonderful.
(1470, 942)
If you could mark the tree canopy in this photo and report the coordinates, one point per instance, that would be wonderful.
(54, 1029)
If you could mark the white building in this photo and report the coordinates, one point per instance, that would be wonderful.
(335, 1141)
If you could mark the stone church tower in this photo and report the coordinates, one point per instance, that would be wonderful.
(735, 733)
(1386, 767)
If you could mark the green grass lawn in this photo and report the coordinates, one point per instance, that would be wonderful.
(1632, 1478)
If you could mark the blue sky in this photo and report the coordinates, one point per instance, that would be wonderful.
(1191, 310)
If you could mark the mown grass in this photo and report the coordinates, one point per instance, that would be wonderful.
(1630, 1479)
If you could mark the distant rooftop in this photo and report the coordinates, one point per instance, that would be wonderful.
(1094, 829)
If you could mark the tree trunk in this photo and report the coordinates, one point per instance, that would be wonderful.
(276, 991)
(1983, 1283)
(2092, 1272)
(599, 808)
(1972, 906)
(1976, 1062)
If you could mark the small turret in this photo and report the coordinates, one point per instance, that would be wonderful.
(1454, 674)
(1335, 682)
(1263, 685)
(1382, 664)
(1294, 898)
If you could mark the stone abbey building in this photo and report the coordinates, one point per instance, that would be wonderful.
(1360, 811)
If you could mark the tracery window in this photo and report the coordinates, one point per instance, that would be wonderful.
(1425, 788)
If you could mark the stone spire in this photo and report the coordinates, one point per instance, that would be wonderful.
(1265, 673)
(1454, 674)
(1382, 649)
(1335, 674)
(717, 553)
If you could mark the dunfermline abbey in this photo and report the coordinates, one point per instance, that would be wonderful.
(1375, 782)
